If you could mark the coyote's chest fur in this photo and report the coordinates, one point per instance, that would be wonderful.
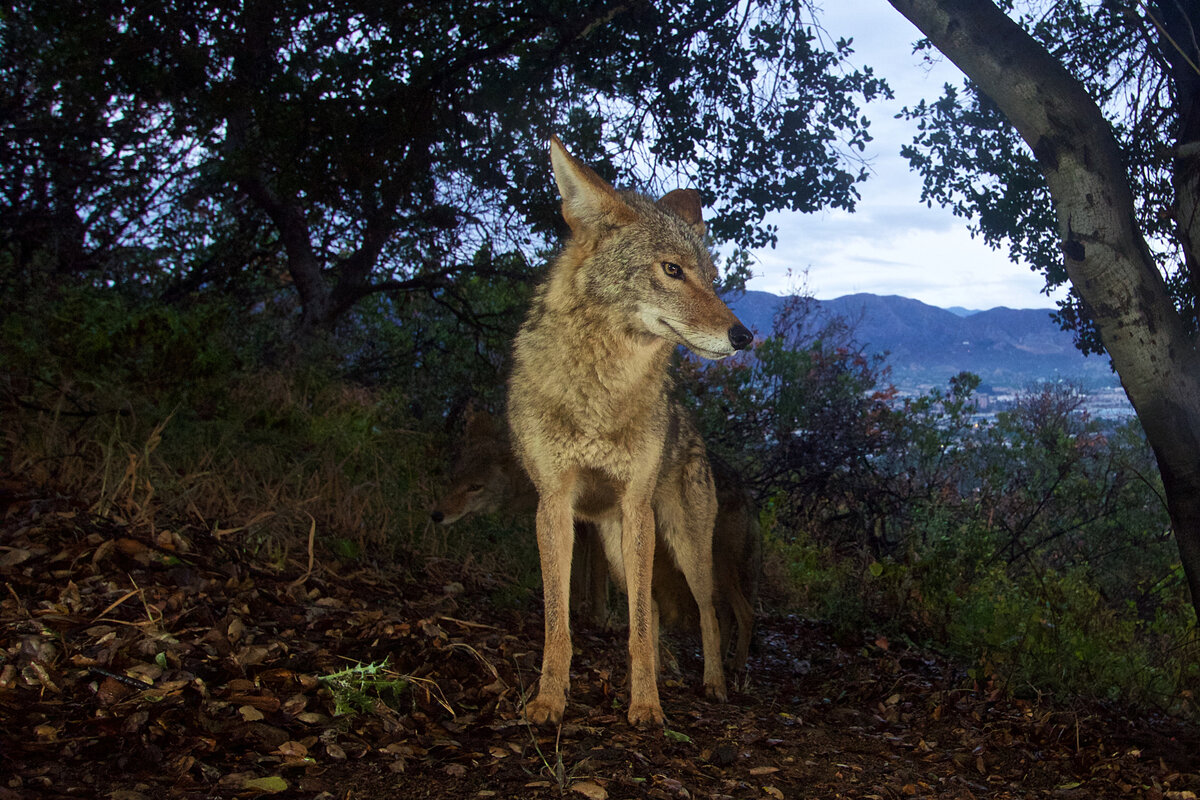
(585, 394)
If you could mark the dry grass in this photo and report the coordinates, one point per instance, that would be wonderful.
(277, 455)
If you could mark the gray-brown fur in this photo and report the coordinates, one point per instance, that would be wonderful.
(595, 427)
(486, 478)
(737, 569)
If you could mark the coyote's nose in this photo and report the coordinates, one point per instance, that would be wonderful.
(740, 337)
(437, 516)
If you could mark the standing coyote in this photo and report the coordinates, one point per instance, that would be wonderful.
(487, 478)
(594, 424)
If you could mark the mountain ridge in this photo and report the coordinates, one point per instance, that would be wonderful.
(927, 345)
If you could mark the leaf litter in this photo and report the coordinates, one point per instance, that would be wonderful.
(170, 664)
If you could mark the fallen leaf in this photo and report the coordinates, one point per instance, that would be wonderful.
(292, 749)
(590, 790)
(268, 704)
(271, 785)
(236, 778)
(763, 770)
(134, 549)
(112, 691)
(253, 655)
(14, 556)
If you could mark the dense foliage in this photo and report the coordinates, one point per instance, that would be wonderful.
(1132, 59)
(1032, 538)
(352, 149)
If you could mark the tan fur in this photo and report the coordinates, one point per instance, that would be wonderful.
(593, 422)
(487, 470)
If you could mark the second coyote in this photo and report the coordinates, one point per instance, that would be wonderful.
(593, 421)
(486, 478)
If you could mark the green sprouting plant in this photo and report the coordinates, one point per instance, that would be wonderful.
(362, 688)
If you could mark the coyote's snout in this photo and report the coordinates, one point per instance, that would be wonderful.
(593, 421)
(485, 476)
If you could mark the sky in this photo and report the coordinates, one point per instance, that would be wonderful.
(892, 243)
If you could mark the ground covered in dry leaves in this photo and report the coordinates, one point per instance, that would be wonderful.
(154, 664)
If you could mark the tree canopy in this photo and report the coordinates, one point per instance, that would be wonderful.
(354, 148)
(1136, 60)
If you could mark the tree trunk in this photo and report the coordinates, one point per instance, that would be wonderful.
(1106, 256)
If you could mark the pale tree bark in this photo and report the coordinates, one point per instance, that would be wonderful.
(1105, 253)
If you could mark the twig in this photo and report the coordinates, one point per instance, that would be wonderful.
(312, 533)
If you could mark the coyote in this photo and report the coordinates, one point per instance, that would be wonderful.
(594, 424)
(487, 478)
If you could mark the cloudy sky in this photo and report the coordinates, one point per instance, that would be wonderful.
(893, 244)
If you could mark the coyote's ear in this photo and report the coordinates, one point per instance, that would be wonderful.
(588, 201)
(687, 205)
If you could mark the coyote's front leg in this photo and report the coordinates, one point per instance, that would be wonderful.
(555, 536)
(637, 550)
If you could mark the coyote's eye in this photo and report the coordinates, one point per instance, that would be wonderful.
(475, 487)
(673, 270)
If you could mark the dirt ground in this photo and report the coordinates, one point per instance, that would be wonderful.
(138, 664)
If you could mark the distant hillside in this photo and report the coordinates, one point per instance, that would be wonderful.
(1007, 348)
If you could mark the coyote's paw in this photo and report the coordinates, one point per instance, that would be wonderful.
(716, 692)
(543, 711)
(646, 714)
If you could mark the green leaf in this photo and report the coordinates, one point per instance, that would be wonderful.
(676, 736)
(271, 785)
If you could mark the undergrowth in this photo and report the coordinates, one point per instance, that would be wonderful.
(159, 419)
(1048, 633)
